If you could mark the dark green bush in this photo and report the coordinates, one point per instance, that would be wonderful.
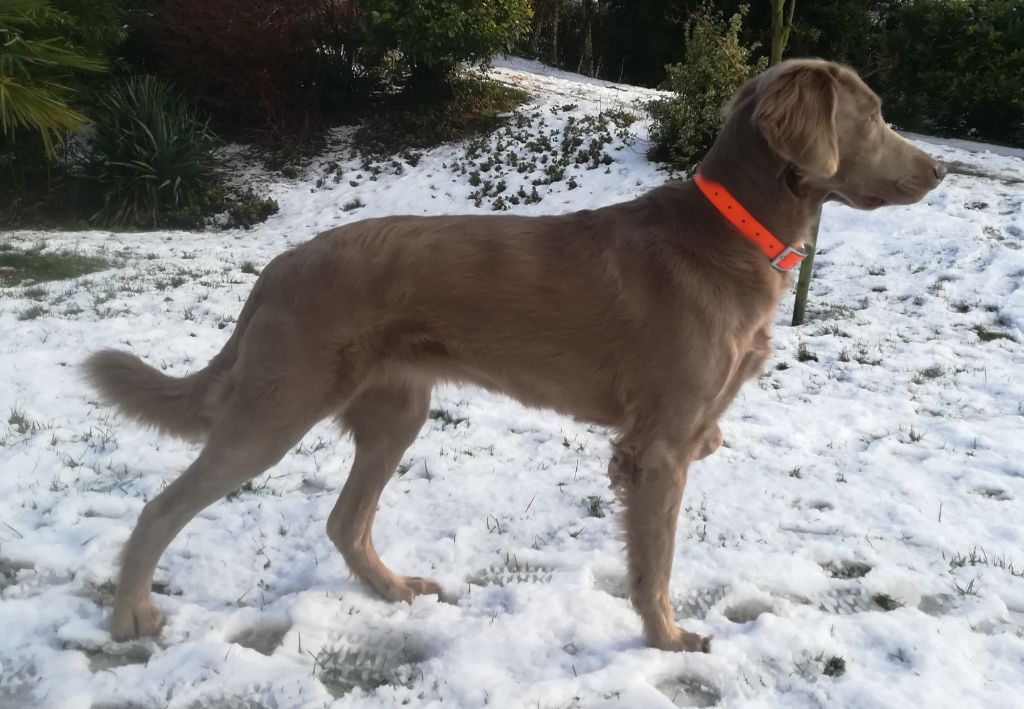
(248, 209)
(99, 25)
(433, 36)
(151, 159)
(956, 68)
(716, 64)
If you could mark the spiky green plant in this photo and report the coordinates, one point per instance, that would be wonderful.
(33, 69)
(151, 156)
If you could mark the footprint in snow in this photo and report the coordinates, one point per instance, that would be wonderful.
(351, 661)
(689, 691)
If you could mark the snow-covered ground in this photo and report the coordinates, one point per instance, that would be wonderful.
(859, 542)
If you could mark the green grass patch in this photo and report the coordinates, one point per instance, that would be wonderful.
(834, 667)
(32, 312)
(886, 602)
(37, 264)
(803, 354)
(595, 506)
(988, 335)
(446, 418)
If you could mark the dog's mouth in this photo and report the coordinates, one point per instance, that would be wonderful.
(861, 201)
(871, 202)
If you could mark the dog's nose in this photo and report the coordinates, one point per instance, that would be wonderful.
(940, 171)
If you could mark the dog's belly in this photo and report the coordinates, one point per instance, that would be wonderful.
(547, 380)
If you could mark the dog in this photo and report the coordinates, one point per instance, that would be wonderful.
(644, 317)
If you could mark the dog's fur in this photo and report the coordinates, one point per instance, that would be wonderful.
(645, 317)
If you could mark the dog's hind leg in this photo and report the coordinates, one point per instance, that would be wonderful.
(384, 420)
(278, 394)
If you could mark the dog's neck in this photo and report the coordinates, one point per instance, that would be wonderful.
(765, 184)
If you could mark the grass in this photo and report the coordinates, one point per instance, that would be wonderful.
(595, 506)
(988, 335)
(447, 418)
(37, 264)
(978, 557)
(933, 372)
(834, 666)
(971, 589)
(20, 422)
(32, 312)
(993, 493)
(886, 602)
(805, 355)
(847, 569)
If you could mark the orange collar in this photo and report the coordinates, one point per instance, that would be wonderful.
(784, 258)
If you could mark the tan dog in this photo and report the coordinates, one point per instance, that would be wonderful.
(645, 317)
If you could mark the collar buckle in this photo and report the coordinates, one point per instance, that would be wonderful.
(788, 259)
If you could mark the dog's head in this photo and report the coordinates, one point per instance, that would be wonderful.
(825, 122)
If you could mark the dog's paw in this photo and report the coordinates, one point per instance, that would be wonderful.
(406, 588)
(681, 641)
(422, 587)
(129, 622)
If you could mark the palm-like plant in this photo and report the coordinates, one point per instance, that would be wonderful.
(33, 69)
(151, 155)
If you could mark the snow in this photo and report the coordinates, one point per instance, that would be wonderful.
(878, 460)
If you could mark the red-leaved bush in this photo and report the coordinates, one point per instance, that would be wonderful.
(269, 66)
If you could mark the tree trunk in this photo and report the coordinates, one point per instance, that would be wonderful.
(803, 281)
(555, 20)
(586, 65)
(782, 23)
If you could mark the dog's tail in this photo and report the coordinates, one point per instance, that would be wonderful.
(180, 406)
(187, 407)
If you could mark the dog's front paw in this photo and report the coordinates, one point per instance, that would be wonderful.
(129, 622)
(680, 641)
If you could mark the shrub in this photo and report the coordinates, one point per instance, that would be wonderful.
(716, 64)
(473, 106)
(248, 209)
(151, 158)
(433, 36)
(35, 62)
(270, 67)
(955, 67)
(99, 26)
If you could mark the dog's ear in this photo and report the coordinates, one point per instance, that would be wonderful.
(796, 113)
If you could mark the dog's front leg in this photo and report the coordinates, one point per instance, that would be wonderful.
(650, 482)
(710, 442)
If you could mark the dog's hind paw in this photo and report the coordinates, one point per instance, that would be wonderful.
(405, 588)
(422, 587)
(681, 641)
(131, 622)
